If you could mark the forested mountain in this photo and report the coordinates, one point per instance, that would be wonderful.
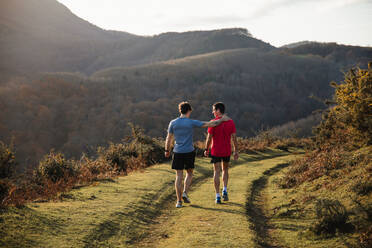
(296, 44)
(76, 114)
(119, 78)
(43, 35)
(344, 56)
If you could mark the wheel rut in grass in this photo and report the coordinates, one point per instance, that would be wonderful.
(133, 220)
(204, 216)
(254, 208)
(130, 225)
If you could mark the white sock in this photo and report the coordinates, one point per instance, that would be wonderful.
(218, 195)
(225, 189)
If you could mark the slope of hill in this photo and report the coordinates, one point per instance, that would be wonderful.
(177, 45)
(74, 114)
(139, 210)
(144, 78)
(133, 206)
(345, 56)
(296, 44)
(43, 35)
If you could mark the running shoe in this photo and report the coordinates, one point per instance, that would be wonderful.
(185, 198)
(218, 200)
(179, 204)
(225, 197)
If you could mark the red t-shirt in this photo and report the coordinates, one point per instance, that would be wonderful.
(221, 138)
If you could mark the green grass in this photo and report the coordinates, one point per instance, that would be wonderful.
(205, 224)
(138, 211)
(116, 213)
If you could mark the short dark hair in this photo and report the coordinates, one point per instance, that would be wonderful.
(219, 106)
(184, 107)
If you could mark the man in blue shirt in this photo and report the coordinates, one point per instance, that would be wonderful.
(181, 129)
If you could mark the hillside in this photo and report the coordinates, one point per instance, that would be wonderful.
(138, 211)
(142, 79)
(345, 56)
(74, 114)
(43, 35)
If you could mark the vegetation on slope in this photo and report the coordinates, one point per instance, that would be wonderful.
(56, 174)
(124, 212)
(43, 35)
(335, 179)
(74, 114)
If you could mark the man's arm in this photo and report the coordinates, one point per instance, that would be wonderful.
(235, 144)
(208, 143)
(216, 122)
(168, 142)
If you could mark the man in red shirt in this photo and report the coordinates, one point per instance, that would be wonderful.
(220, 139)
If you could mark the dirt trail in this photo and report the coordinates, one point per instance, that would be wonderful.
(138, 211)
(237, 223)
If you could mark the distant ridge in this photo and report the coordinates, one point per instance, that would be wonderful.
(299, 43)
(44, 35)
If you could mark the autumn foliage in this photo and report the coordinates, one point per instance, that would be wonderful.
(56, 174)
(343, 145)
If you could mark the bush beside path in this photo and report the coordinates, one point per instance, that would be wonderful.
(138, 210)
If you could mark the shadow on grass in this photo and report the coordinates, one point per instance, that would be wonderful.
(254, 211)
(163, 170)
(12, 232)
(219, 209)
(133, 221)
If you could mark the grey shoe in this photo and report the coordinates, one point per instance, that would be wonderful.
(225, 196)
(179, 204)
(185, 198)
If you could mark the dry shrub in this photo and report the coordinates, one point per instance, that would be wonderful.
(139, 150)
(55, 167)
(7, 161)
(286, 143)
(136, 163)
(331, 216)
(5, 187)
(363, 186)
(322, 162)
(199, 148)
(265, 139)
(314, 165)
(95, 169)
(365, 238)
(56, 174)
(250, 145)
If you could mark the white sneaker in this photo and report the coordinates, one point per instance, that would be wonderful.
(179, 204)
(185, 198)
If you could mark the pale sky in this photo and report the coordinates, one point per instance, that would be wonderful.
(278, 22)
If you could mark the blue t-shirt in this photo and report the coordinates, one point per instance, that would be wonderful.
(183, 130)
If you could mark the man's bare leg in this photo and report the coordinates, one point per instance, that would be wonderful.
(225, 179)
(187, 184)
(225, 173)
(188, 180)
(178, 184)
(216, 176)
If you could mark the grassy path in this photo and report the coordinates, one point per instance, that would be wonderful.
(205, 224)
(138, 210)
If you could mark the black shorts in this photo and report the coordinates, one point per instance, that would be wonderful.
(183, 161)
(219, 159)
